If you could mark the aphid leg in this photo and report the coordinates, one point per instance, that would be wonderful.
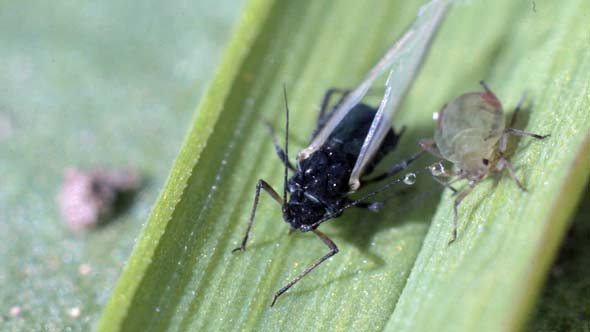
(517, 132)
(323, 117)
(504, 163)
(333, 251)
(280, 152)
(401, 131)
(446, 184)
(458, 200)
(326, 101)
(260, 185)
(511, 131)
(395, 169)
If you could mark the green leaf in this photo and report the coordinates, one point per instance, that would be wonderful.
(82, 85)
(566, 299)
(394, 271)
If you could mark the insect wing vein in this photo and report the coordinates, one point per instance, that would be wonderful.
(353, 98)
(404, 61)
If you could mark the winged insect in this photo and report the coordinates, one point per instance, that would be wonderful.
(348, 142)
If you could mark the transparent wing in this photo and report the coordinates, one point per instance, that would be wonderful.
(353, 98)
(404, 65)
(406, 44)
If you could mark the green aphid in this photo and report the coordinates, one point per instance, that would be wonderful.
(471, 133)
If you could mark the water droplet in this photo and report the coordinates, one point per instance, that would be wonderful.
(437, 169)
(409, 179)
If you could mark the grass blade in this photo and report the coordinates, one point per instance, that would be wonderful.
(490, 280)
(182, 275)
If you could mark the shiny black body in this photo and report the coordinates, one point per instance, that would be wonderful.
(319, 188)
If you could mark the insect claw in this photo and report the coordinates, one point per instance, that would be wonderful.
(453, 238)
(274, 300)
(451, 241)
(241, 248)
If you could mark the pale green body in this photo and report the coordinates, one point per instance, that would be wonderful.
(471, 133)
(469, 129)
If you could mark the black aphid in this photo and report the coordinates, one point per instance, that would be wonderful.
(319, 189)
(348, 142)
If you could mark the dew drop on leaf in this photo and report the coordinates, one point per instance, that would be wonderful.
(409, 179)
(437, 169)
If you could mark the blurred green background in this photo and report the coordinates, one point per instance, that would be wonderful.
(115, 84)
(87, 84)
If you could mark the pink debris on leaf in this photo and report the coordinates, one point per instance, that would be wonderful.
(88, 197)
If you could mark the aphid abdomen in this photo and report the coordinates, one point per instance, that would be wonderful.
(469, 127)
(350, 134)
(325, 174)
(470, 148)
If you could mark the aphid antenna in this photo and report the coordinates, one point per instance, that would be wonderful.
(285, 179)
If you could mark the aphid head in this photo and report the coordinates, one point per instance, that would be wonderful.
(302, 211)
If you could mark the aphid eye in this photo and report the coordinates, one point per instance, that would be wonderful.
(486, 162)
